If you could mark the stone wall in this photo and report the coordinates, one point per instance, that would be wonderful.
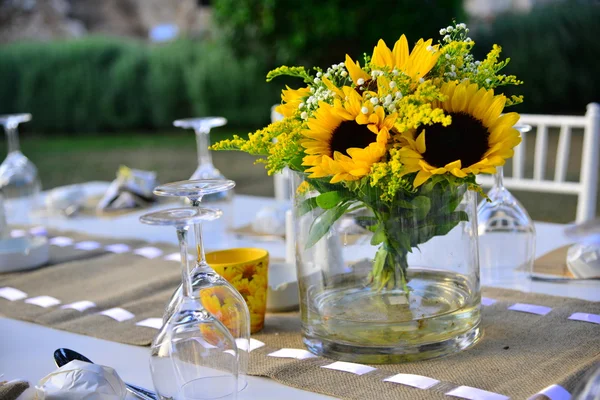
(53, 19)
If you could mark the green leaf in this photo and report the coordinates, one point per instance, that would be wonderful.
(404, 241)
(451, 222)
(307, 205)
(379, 235)
(329, 200)
(422, 205)
(369, 223)
(324, 222)
(404, 204)
(379, 261)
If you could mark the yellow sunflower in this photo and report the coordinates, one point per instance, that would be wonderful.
(343, 140)
(415, 64)
(477, 141)
(290, 100)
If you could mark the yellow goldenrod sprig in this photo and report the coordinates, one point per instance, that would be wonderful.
(284, 70)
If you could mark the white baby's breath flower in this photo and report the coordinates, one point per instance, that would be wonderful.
(488, 81)
(421, 80)
(364, 110)
(443, 31)
(319, 74)
(398, 95)
(450, 29)
(344, 73)
(452, 67)
(468, 40)
(360, 81)
(388, 99)
(374, 100)
(301, 105)
(447, 38)
(304, 115)
(317, 80)
(392, 84)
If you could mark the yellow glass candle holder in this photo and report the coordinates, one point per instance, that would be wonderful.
(247, 270)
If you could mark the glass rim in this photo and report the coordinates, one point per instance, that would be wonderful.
(181, 216)
(199, 122)
(194, 188)
(17, 118)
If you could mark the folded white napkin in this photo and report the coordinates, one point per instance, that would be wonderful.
(81, 380)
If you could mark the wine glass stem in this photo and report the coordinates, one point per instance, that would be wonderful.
(499, 177)
(186, 281)
(13, 138)
(202, 143)
(198, 234)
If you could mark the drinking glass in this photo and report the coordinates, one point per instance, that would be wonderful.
(19, 179)
(194, 356)
(506, 231)
(206, 283)
(205, 169)
(3, 224)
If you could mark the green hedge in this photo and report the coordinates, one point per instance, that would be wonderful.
(554, 50)
(100, 84)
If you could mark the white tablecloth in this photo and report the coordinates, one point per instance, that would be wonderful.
(26, 349)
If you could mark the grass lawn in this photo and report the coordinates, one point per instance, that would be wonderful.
(64, 160)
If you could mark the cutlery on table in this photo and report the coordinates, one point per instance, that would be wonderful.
(63, 356)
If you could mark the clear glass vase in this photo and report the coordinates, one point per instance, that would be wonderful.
(389, 283)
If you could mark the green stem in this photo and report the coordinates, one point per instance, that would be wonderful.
(400, 271)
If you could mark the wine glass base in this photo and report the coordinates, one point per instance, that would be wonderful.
(194, 189)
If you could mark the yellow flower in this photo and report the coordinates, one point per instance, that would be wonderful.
(291, 99)
(355, 70)
(218, 302)
(342, 141)
(477, 141)
(415, 64)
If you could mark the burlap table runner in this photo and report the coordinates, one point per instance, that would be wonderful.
(519, 355)
(12, 390)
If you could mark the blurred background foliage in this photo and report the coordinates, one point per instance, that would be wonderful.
(100, 84)
(104, 84)
(301, 32)
(554, 49)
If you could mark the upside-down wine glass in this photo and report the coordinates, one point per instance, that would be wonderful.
(506, 231)
(193, 356)
(205, 281)
(206, 168)
(3, 224)
(19, 179)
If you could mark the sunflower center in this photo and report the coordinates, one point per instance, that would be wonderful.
(465, 139)
(369, 84)
(349, 134)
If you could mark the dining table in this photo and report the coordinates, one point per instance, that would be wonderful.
(26, 349)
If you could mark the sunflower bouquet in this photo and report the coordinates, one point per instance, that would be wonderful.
(401, 137)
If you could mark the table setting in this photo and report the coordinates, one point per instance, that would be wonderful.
(390, 273)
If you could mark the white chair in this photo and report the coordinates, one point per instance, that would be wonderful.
(587, 187)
